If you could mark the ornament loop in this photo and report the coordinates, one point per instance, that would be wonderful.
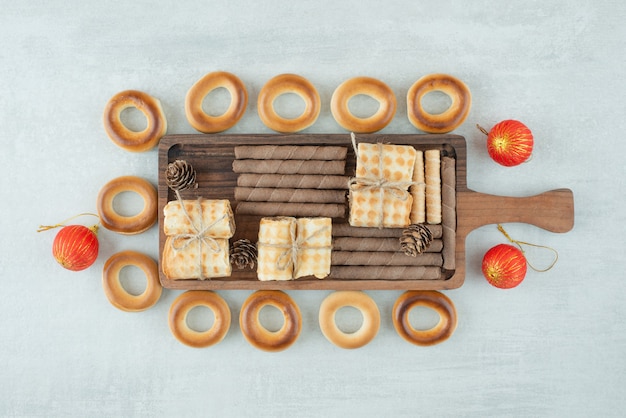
(521, 243)
(481, 129)
(62, 223)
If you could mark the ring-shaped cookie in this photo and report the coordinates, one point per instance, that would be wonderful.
(443, 122)
(256, 334)
(115, 292)
(126, 138)
(205, 123)
(181, 307)
(288, 83)
(434, 300)
(128, 225)
(368, 86)
(358, 300)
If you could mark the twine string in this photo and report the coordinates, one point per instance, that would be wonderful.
(289, 257)
(62, 223)
(398, 189)
(200, 235)
(521, 243)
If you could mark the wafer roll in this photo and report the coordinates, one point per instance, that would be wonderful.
(378, 258)
(263, 194)
(433, 186)
(289, 166)
(293, 181)
(418, 191)
(328, 210)
(290, 152)
(377, 244)
(385, 273)
(346, 230)
(448, 202)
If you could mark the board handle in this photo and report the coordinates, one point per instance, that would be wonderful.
(552, 210)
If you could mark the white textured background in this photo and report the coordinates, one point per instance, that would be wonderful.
(555, 346)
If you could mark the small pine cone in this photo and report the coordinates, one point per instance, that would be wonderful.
(415, 239)
(243, 254)
(180, 175)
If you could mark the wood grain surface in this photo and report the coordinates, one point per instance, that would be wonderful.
(212, 157)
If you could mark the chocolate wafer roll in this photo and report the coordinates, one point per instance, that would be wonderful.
(326, 210)
(290, 152)
(346, 230)
(377, 244)
(263, 194)
(293, 181)
(289, 166)
(448, 215)
(378, 258)
(385, 273)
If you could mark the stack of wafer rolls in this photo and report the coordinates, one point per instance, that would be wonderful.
(374, 254)
(291, 180)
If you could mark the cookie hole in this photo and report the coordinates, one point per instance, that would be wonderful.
(216, 102)
(128, 203)
(133, 280)
(422, 318)
(271, 318)
(289, 105)
(436, 102)
(134, 119)
(348, 319)
(363, 106)
(200, 318)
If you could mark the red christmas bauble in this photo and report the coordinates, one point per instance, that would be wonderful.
(75, 247)
(510, 143)
(504, 266)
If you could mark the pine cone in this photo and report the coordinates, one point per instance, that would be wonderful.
(180, 175)
(415, 239)
(243, 254)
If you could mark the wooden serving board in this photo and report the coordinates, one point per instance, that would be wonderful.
(212, 157)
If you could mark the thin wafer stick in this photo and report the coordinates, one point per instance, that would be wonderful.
(378, 258)
(418, 191)
(263, 194)
(346, 230)
(448, 202)
(377, 244)
(385, 273)
(329, 210)
(293, 181)
(433, 186)
(290, 152)
(289, 166)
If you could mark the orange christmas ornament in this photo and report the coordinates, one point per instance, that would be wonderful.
(509, 143)
(504, 266)
(75, 247)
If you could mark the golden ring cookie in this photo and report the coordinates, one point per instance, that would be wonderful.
(115, 292)
(442, 122)
(205, 123)
(434, 300)
(288, 83)
(256, 334)
(128, 139)
(370, 87)
(128, 225)
(356, 299)
(181, 307)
